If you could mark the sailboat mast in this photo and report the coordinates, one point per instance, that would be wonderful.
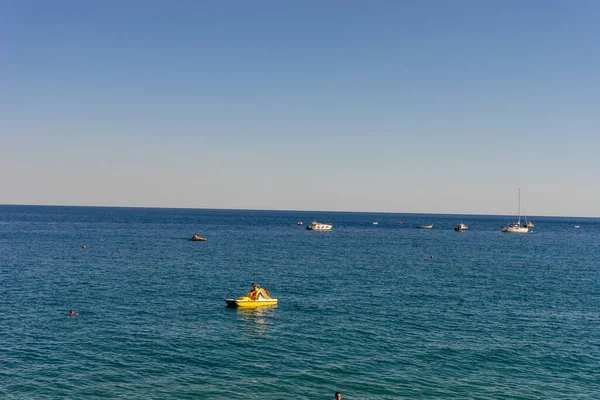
(519, 207)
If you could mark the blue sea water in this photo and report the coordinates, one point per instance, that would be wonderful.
(363, 309)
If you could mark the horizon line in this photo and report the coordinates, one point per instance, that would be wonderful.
(290, 210)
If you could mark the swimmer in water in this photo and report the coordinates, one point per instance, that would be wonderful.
(73, 313)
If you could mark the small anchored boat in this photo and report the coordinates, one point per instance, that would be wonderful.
(515, 227)
(315, 226)
(461, 227)
(425, 226)
(197, 238)
(299, 223)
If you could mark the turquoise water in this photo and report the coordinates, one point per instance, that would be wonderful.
(363, 309)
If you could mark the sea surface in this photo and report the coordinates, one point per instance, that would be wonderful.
(362, 310)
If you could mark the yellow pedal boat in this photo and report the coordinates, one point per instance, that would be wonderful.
(245, 301)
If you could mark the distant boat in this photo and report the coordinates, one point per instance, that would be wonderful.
(315, 226)
(299, 223)
(576, 226)
(400, 222)
(461, 227)
(515, 227)
(425, 226)
(375, 223)
(197, 238)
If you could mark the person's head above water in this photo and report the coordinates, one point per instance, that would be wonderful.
(71, 313)
(338, 396)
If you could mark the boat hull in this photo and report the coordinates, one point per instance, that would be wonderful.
(250, 303)
(515, 230)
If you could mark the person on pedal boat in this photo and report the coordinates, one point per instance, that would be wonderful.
(258, 293)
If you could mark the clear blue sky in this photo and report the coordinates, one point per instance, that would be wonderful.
(420, 106)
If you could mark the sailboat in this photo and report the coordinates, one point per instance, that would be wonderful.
(516, 227)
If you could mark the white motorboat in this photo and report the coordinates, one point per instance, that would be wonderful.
(461, 227)
(375, 223)
(515, 227)
(315, 226)
(425, 226)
